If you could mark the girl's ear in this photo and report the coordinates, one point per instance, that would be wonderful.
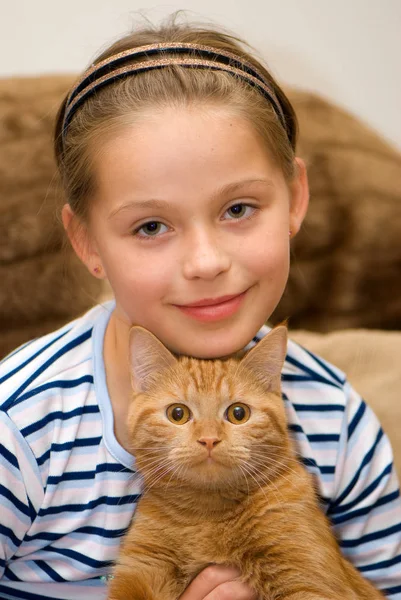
(299, 197)
(82, 242)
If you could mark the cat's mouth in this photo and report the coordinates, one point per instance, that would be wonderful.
(210, 460)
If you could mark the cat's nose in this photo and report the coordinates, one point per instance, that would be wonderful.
(209, 442)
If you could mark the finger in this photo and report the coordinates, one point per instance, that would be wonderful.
(208, 580)
(232, 590)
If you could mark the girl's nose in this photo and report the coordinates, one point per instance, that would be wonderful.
(205, 258)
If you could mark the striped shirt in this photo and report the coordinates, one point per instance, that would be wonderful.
(68, 490)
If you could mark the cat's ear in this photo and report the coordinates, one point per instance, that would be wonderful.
(266, 359)
(148, 357)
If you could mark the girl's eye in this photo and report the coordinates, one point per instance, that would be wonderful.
(150, 229)
(238, 413)
(179, 414)
(238, 211)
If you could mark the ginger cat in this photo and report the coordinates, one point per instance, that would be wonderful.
(222, 483)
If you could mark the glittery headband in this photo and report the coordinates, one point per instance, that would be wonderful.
(197, 56)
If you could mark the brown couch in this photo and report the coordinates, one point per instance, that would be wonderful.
(345, 276)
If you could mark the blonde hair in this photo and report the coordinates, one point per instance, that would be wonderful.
(125, 99)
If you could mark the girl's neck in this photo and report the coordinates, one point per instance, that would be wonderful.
(115, 356)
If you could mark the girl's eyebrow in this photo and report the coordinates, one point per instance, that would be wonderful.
(231, 188)
(155, 204)
(152, 204)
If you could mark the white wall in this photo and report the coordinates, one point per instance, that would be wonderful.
(349, 50)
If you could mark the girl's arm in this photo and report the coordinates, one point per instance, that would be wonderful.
(20, 488)
(366, 508)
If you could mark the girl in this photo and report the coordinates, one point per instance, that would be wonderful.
(177, 152)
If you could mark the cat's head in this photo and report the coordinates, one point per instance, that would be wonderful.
(215, 423)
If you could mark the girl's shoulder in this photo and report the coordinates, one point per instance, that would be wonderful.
(305, 374)
(58, 359)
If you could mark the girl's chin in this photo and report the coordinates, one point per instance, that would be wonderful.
(215, 349)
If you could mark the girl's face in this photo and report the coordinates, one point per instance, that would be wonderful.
(190, 224)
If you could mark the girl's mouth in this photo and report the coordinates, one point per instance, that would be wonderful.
(213, 309)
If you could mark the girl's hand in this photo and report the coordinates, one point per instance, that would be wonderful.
(218, 582)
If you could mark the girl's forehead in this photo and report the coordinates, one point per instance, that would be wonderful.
(182, 148)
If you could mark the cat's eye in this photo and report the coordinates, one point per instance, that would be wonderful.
(179, 414)
(238, 413)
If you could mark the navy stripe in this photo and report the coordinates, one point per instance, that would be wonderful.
(85, 475)
(10, 575)
(99, 531)
(31, 358)
(325, 366)
(367, 458)
(9, 456)
(8, 593)
(23, 508)
(62, 416)
(319, 407)
(295, 428)
(392, 590)
(71, 476)
(61, 383)
(73, 344)
(77, 443)
(106, 533)
(106, 500)
(371, 537)
(384, 564)
(327, 470)
(113, 468)
(312, 374)
(356, 420)
(361, 512)
(323, 437)
(10, 534)
(309, 462)
(296, 378)
(79, 557)
(32, 511)
(2, 563)
(49, 571)
(367, 491)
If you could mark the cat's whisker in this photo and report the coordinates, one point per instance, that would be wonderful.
(149, 447)
(270, 459)
(278, 471)
(151, 484)
(265, 445)
(267, 481)
(267, 461)
(245, 477)
(249, 472)
(175, 472)
(155, 469)
(155, 460)
(149, 461)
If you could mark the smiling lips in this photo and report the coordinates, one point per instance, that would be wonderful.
(213, 309)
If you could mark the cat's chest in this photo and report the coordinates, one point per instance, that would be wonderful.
(205, 539)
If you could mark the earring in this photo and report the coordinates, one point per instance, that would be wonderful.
(290, 233)
(97, 270)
